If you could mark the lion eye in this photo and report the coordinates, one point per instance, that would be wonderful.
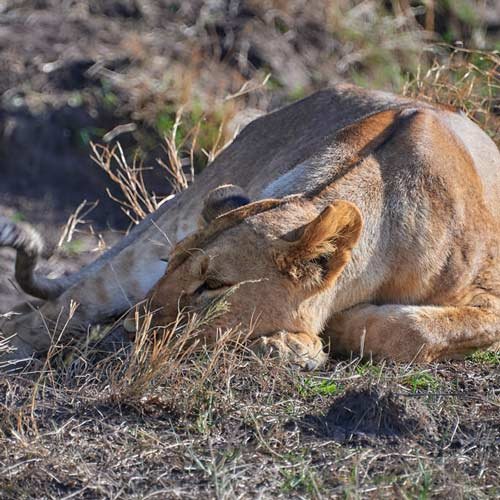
(213, 284)
(210, 284)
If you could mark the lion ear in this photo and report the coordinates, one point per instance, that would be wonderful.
(321, 249)
(221, 200)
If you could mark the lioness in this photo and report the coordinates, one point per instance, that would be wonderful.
(375, 225)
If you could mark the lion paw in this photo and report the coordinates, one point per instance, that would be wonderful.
(300, 350)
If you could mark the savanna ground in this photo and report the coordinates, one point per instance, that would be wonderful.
(171, 81)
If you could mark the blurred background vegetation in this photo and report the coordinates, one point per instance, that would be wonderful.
(80, 71)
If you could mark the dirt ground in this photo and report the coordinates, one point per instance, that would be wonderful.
(234, 428)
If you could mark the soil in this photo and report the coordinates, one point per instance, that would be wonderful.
(224, 427)
(374, 411)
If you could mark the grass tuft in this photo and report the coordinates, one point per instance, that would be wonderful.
(465, 79)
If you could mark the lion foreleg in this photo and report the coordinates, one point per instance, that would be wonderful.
(414, 333)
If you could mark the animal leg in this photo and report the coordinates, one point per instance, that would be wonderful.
(304, 350)
(414, 333)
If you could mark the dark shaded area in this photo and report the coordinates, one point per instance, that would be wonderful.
(46, 170)
(374, 412)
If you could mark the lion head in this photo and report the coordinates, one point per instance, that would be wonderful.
(270, 261)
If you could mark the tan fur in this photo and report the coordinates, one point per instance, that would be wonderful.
(332, 235)
(374, 225)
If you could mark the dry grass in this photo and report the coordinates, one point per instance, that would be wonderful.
(137, 200)
(157, 421)
(178, 169)
(466, 79)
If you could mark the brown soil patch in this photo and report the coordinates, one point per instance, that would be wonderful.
(374, 411)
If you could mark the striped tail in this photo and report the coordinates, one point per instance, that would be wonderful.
(29, 245)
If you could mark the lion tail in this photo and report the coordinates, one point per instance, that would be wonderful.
(29, 246)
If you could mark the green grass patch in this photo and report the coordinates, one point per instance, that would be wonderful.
(298, 476)
(313, 386)
(18, 217)
(420, 381)
(486, 357)
(369, 369)
(194, 128)
(86, 135)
